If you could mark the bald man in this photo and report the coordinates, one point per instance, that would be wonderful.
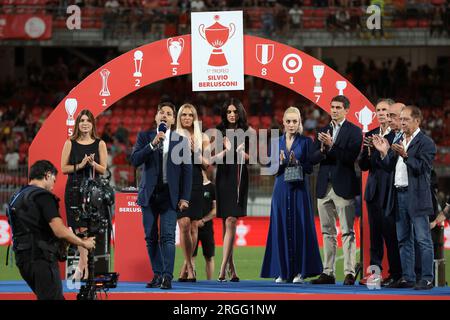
(394, 120)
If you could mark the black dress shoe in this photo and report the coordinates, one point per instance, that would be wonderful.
(423, 285)
(235, 279)
(403, 284)
(349, 280)
(155, 283)
(190, 280)
(166, 283)
(324, 279)
(388, 282)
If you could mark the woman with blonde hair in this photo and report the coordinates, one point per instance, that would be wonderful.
(292, 251)
(189, 127)
(84, 155)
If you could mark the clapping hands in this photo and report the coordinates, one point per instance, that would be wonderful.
(381, 144)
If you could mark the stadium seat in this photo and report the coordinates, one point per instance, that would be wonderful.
(398, 24)
(423, 23)
(88, 24)
(266, 121)
(138, 121)
(412, 23)
(129, 112)
(118, 111)
(141, 112)
(207, 123)
(142, 102)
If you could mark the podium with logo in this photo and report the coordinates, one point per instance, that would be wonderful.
(130, 251)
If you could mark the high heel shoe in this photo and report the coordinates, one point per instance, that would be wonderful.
(183, 279)
(232, 279)
(194, 279)
(221, 279)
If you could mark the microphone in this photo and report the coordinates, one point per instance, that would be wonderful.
(161, 128)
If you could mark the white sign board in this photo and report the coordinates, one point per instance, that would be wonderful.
(217, 51)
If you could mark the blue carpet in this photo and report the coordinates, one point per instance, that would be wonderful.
(246, 286)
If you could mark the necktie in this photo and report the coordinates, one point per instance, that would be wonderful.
(398, 137)
(160, 163)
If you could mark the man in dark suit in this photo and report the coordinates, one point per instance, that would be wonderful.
(336, 149)
(165, 188)
(382, 227)
(410, 162)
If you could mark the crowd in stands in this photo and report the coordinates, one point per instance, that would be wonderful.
(26, 103)
(140, 18)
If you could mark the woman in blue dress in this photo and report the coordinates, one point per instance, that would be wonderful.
(292, 251)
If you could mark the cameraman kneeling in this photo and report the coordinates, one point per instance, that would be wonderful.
(33, 214)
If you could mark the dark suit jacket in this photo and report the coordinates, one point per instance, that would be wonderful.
(179, 176)
(377, 186)
(421, 153)
(337, 165)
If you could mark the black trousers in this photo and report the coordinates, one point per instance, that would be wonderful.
(42, 277)
(383, 231)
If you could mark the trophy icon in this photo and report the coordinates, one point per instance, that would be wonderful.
(175, 48)
(318, 71)
(341, 85)
(365, 117)
(105, 91)
(241, 231)
(217, 35)
(138, 58)
(71, 106)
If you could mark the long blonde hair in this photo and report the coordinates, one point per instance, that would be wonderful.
(198, 137)
(297, 112)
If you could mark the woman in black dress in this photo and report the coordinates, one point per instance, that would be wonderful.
(231, 180)
(84, 155)
(188, 126)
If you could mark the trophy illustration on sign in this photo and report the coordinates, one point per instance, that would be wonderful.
(365, 117)
(217, 35)
(264, 53)
(318, 71)
(341, 85)
(105, 75)
(71, 105)
(241, 231)
(138, 58)
(175, 48)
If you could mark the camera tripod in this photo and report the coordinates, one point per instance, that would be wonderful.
(89, 290)
(102, 281)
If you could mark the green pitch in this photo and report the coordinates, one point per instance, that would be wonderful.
(248, 262)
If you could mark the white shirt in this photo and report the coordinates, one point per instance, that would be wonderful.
(165, 149)
(12, 161)
(401, 171)
(296, 15)
(197, 5)
(384, 134)
(336, 129)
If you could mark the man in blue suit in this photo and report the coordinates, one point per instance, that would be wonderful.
(336, 149)
(382, 227)
(410, 162)
(165, 188)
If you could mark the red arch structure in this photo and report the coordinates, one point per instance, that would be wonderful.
(101, 89)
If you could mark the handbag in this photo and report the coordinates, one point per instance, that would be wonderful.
(294, 171)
